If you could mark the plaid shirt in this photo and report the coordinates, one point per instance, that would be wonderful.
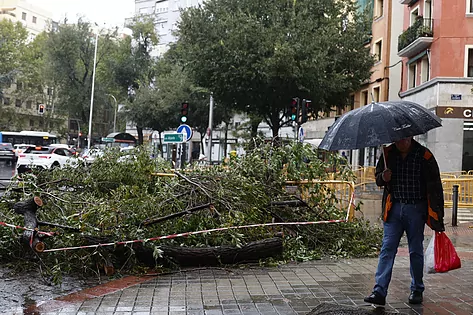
(406, 177)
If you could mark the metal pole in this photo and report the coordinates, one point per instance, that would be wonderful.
(116, 109)
(78, 135)
(92, 94)
(209, 148)
(455, 205)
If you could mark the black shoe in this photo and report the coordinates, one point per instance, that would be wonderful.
(375, 298)
(415, 297)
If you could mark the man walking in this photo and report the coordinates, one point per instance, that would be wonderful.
(413, 196)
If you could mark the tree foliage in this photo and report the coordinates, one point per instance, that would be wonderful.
(111, 200)
(259, 54)
(70, 60)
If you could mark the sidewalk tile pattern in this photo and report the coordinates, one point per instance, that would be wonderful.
(286, 290)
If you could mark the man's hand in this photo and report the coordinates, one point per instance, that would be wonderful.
(387, 175)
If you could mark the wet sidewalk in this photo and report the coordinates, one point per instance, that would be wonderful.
(288, 289)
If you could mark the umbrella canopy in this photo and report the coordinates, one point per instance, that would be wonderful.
(379, 123)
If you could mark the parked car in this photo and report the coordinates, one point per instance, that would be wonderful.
(20, 148)
(45, 157)
(6, 152)
(89, 155)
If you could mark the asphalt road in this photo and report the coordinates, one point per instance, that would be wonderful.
(6, 172)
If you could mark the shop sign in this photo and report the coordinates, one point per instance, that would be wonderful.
(454, 112)
(455, 97)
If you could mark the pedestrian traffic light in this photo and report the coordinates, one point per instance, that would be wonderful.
(294, 108)
(184, 111)
(306, 105)
(41, 109)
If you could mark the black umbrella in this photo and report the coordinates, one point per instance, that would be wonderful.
(378, 123)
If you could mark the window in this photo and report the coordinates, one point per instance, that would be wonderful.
(352, 102)
(378, 8)
(425, 70)
(378, 49)
(23, 16)
(364, 98)
(469, 6)
(34, 19)
(469, 61)
(376, 93)
(50, 91)
(414, 15)
(6, 101)
(28, 104)
(19, 86)
(31, 123)
(18, 103)
(412, 75)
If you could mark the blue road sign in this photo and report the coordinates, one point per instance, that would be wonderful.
(186, 131)
(301, 134)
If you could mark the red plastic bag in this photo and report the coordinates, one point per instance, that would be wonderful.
(446, 257)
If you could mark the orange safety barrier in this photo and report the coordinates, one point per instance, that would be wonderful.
(344, 192)
(465, 192)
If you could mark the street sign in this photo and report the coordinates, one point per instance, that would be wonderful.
(173, 138)
(108, 139)
(301, 134)
(186, 130)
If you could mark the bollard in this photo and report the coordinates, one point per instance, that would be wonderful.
(455, 205)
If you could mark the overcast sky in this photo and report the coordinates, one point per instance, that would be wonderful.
(111, 12)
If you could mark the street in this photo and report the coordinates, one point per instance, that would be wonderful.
(6, 172)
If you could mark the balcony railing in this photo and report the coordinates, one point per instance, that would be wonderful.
(421, 28)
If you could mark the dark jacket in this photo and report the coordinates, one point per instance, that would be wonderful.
(430, 177)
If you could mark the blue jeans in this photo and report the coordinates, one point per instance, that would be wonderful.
(402, 217)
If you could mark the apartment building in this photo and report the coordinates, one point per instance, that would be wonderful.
(166, 14)
(34, 18)
(436, 48)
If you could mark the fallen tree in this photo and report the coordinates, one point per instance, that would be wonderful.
(115, 200)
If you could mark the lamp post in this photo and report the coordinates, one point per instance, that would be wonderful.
(116, 109)
(92, 93)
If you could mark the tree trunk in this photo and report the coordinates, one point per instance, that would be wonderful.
(139, 130)
(28, 208)
(226, 140)
(212, 256)
(161, 144)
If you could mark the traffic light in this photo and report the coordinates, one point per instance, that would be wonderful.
(293, 110)
(41, 109)
(306, 105)
(184, 111)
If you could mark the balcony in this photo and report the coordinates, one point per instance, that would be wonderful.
(416, 38)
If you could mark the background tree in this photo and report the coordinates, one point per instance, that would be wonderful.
(263, 53)
(13, 37)
(132, 68)
(70, 60)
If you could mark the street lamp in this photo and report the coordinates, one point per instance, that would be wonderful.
(116, 109)
(92, 93)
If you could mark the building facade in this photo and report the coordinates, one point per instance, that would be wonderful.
(166, 14)
(33, 18)
(437, 72)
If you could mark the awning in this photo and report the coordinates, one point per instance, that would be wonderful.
(414, 59)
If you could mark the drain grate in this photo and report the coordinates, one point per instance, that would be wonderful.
(335, 309)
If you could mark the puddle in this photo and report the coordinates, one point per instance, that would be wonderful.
(21, 291)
